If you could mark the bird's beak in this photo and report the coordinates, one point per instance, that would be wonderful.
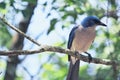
(102, 24)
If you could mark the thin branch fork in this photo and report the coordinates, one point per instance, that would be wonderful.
(44, 48)
(60, 50)
(20, 32)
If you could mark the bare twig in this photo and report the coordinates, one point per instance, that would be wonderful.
(51, 49)
(60, 50)
(20, 32)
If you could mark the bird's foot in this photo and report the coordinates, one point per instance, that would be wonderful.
(89, 57)
(76, 52)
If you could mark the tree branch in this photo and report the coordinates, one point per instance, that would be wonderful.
(112, 14)
(20, 32)
(60, 50)
(44, 48)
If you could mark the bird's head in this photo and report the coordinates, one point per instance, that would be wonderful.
(91, 21)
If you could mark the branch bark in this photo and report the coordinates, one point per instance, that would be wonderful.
(60, 50)
(44, 48)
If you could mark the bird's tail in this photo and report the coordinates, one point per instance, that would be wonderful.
(73, 73)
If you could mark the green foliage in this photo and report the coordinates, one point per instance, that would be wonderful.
(56, 73)
(5, 36)
(104, 74)
(3, 7)
(30, 1)
(73, 9)
(109, 48)
(2, 67)
(52, 25)
(83, 73)
(56, 70)
(19, 78)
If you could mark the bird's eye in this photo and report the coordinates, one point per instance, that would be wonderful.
(96, 21)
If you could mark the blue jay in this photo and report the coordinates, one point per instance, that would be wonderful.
(80, 39)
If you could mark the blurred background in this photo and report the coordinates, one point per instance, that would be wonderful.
(50, 22)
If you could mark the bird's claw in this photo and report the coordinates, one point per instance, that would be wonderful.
(76, 53)
(89, 57)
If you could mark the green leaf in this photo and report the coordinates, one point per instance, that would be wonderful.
(2, 8)
(5, 36)
(30, 1)
(2, 5)
(52, 25)
(45, 3)
(53, 1)
(83, 73)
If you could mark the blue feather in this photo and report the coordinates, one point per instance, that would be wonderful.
(90, 21)
(71, 37)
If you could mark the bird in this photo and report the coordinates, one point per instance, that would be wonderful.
(80, 39)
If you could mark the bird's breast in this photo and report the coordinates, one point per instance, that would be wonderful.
(83, 39)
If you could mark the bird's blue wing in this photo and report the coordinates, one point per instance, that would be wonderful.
(71, 37)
